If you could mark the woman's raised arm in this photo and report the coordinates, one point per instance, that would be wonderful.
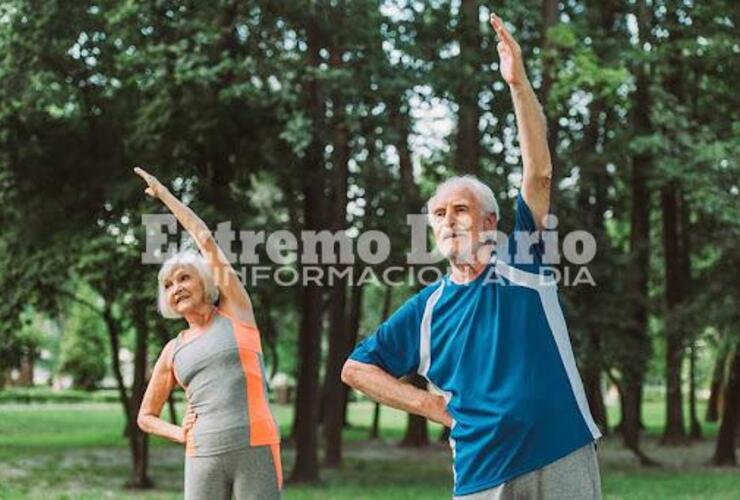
(234, 300)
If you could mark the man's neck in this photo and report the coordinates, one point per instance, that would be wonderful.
(462, 273)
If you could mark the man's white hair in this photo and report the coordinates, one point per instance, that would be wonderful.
(484, 193)
(183, 258)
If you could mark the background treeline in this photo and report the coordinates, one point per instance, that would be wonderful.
(343, 115)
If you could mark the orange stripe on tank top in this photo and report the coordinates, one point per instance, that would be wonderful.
(262, 429)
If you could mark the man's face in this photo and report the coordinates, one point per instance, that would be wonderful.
(458, 223)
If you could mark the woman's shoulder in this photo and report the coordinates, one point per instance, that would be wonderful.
(168, 351)
(242, 318)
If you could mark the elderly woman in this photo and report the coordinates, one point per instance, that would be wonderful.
(232, 444)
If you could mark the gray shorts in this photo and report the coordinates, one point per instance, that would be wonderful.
(248, 474)
(573, 477)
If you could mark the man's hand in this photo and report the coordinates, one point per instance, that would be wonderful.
(154, 187)
(510, 54)
(436, 410)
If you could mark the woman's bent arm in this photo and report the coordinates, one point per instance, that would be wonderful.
(159, 389)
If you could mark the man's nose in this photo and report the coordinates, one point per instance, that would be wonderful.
(450, 218)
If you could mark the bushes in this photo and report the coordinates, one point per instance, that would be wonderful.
(46, 395)
(84, 349)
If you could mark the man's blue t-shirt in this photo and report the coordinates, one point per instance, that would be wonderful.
(499, 351)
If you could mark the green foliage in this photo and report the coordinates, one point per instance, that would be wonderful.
(84, 347)
(216, 98)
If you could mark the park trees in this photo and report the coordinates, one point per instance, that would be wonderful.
(344, 116)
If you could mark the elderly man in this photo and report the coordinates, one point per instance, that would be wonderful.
(491, 338)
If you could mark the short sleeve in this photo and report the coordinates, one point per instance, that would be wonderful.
(526, 236)
(523, 218)
(394, 346)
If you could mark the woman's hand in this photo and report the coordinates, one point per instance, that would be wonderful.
(154, 187)
(188, 422)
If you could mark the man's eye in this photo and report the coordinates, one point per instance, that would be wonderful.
(185, 277)
(167, 285)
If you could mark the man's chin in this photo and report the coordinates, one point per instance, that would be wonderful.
(463, 259)
(457, 255)
(448, 251)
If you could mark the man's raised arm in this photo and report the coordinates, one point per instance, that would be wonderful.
(530, 121)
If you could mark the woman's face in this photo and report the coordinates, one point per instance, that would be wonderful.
(184, 289)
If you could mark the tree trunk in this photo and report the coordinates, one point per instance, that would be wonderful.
(375, 427)
(355, 316)
(387, 301)
(724, 452)
(633, 363)
(467, 158)
(25, 375)
(114, 336)
(713, 406)
(333, 388)
(416, 428)
(688, 293)
(269, 331)
(593, 200)
(695, 431)
(139, 446)
(674, 431)
(139, 440)
(402, 127)
(591, 203)
(306, 468)
(629, 394)
(592, 387)
(172, 408)
(677, 256)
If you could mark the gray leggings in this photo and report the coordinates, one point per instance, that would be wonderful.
(575, 476)
(248, 474)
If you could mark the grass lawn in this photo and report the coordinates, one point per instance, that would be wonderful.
(76, 450)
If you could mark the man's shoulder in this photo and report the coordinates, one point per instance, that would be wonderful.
(417, 302)
(423, 295)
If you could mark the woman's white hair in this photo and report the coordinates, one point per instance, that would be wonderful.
(202, 269)
(484, 194)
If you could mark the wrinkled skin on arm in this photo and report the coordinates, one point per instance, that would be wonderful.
(157, 392)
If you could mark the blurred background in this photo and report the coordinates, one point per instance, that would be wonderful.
(343, 115)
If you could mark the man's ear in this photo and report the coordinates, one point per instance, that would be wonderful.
(489, 223)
